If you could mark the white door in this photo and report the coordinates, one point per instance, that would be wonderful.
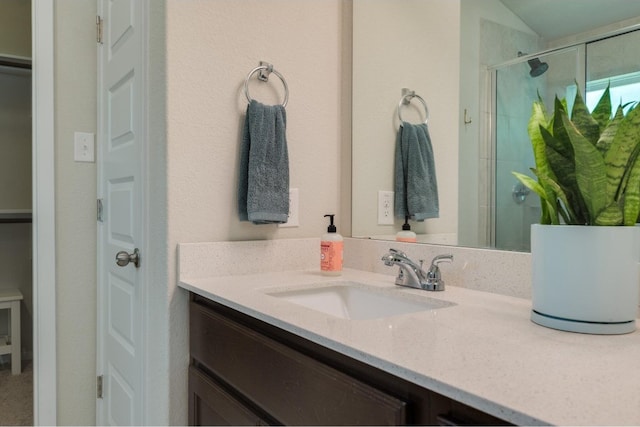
(121, 155)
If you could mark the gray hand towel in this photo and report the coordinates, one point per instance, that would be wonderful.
(263, 192)
(416, 188)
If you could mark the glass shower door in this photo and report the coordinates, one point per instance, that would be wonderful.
(516, 88)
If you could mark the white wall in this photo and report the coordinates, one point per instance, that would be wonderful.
(163, 406)
(211, 47)
(75, 110)
(413, 44)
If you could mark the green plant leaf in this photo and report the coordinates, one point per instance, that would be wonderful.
(611, 215)
(549, 203)
(565, 209)
(609, 132)
(602, 112)
(587, 167)
(583, 121)
(618, 157)
(590, 171)
(560, 142)
(538, 122)
(631, 197)
(538, 119)
(622, 188)
(564, 172)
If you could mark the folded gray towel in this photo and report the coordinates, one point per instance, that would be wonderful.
(263, 191)
(416, 188)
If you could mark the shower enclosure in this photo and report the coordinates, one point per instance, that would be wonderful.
(515, 85)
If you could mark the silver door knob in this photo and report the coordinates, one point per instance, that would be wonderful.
(123, 258)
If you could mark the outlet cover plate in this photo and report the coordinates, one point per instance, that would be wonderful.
(385, 207)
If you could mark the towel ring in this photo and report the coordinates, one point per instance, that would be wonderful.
(264, 76)
(406, 100)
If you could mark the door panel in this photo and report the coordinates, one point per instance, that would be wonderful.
(120, 186)
(122, 199)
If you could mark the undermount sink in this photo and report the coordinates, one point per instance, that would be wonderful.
(355, 301)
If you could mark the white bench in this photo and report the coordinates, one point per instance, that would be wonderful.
(10, 300)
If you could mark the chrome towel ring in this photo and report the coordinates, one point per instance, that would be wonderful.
(407, 96)
(265, 70)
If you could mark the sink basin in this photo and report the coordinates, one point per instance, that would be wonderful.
(354, 301)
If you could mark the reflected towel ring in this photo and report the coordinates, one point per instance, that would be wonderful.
(406, 100)
(264, 76)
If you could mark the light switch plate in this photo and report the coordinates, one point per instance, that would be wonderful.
(84, 147)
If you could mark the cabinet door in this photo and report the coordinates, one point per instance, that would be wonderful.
(210, 404)
(293, 388)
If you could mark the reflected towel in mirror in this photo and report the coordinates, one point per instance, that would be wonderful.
(416, 188)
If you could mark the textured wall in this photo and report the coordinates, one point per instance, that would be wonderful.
(75, 104)
(211, 47)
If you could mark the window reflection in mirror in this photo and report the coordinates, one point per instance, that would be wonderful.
(614, 61)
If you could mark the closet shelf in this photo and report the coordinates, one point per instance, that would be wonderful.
(15, 215)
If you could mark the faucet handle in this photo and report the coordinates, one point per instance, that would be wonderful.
(439, 259)
(434, 280)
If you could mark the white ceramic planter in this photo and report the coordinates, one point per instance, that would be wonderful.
(585, 278)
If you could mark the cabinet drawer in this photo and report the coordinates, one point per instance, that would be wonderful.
(210, 404)
(293, 388)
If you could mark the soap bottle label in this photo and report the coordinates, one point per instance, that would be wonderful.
(331, 256)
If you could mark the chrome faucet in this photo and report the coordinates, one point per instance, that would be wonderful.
(412, 275)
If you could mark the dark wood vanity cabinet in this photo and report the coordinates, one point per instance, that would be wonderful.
(246, 372)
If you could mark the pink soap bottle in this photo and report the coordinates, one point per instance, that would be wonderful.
(331, 245)
(406, 235)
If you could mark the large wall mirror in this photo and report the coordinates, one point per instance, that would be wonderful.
(472, 61)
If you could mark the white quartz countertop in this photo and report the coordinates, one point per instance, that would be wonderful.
(483, 351)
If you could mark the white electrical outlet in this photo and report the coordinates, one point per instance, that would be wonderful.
(83, 147)
(385, 207)
(294, 199)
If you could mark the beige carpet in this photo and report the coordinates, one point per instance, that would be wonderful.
(16, 396)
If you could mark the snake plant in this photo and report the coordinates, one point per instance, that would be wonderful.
(587, 166)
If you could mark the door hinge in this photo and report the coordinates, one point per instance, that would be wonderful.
(99, 386)
(99, 29)
(99, 209)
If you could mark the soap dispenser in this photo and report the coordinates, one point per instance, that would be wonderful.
(331, 245)
(406, 235)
